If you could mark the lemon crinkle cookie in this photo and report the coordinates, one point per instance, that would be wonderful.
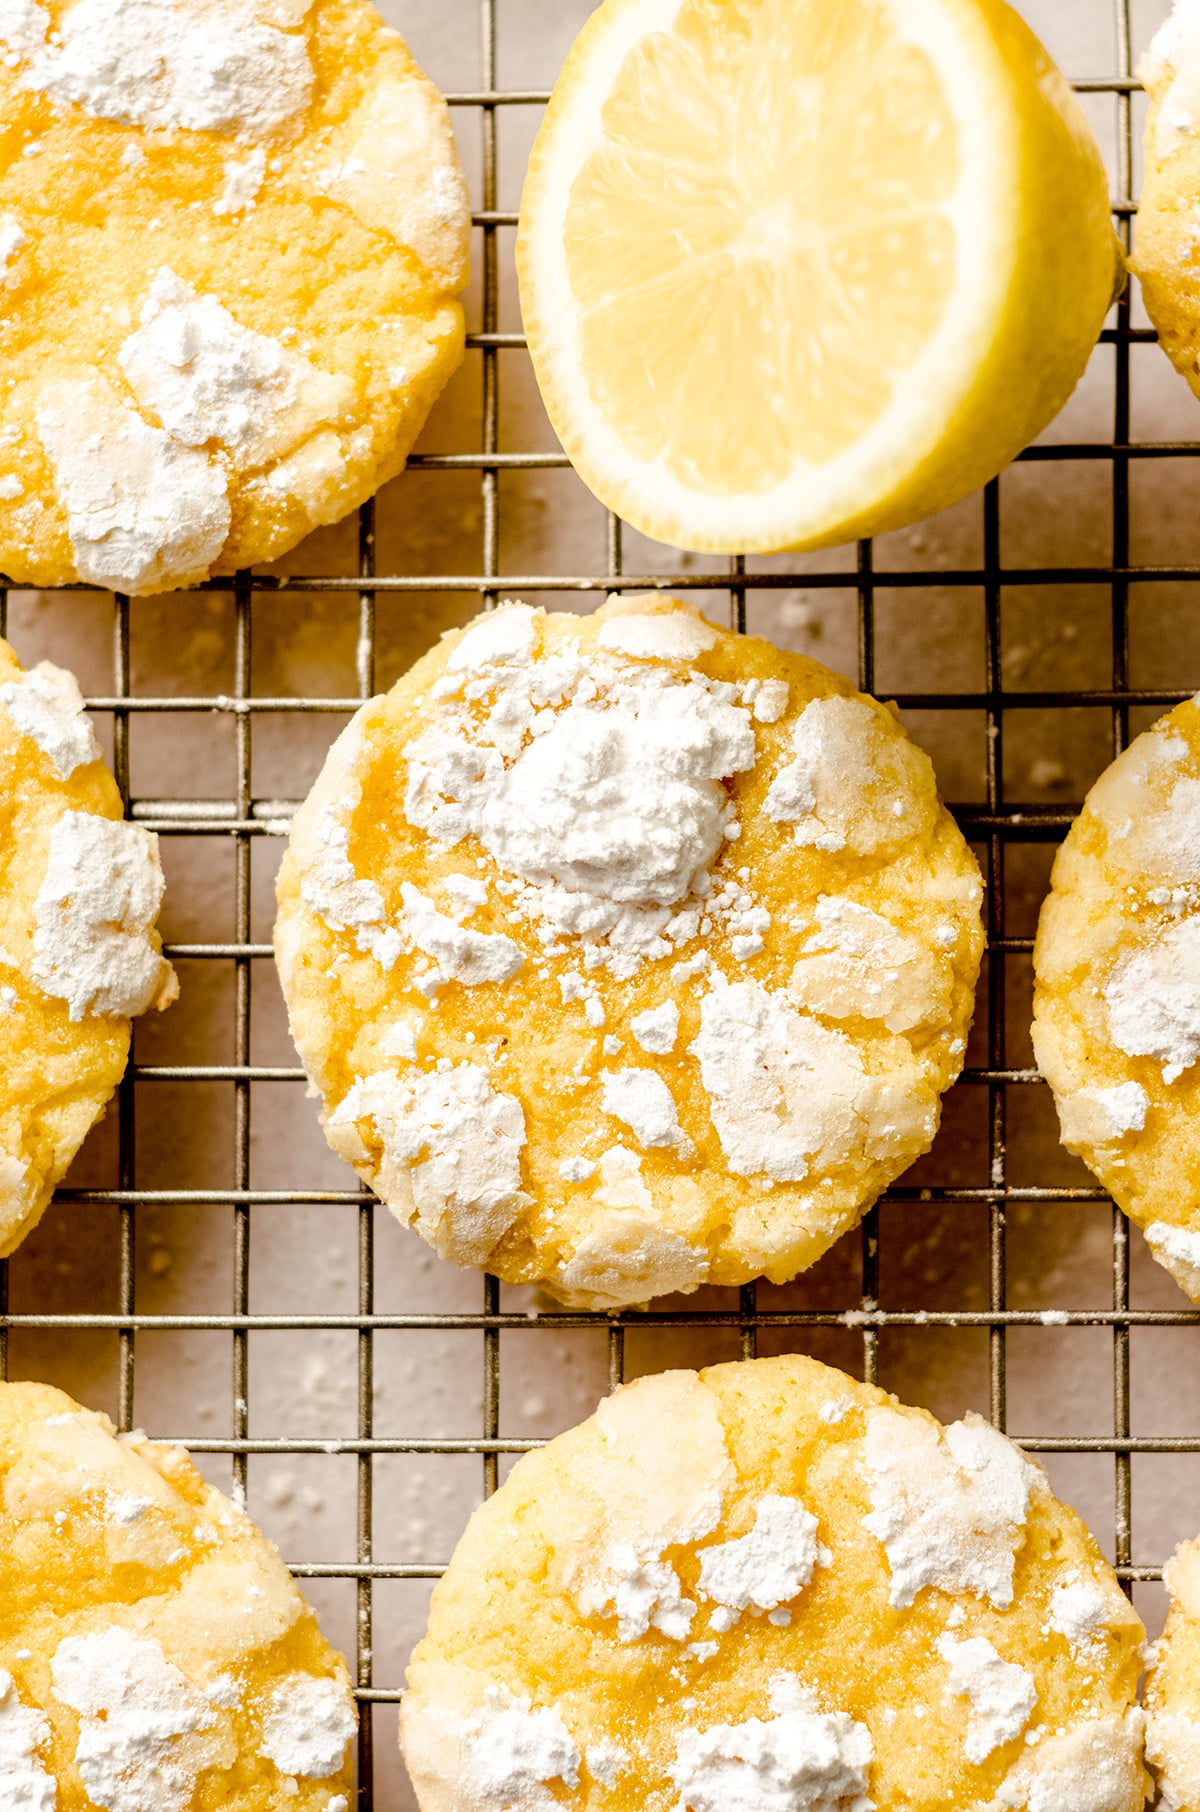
(1172, 1691)
(626, 953)
(79, 954)
(768, 1588)
(1167, 258)
(1117, 1001)
(154, 1652)
(232, 322)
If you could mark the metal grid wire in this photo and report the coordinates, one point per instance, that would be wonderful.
(994, 825)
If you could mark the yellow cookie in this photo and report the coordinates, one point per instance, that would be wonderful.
(155, 1655)
(1168, 249)
(1117, 1003)
(767, 1588)
(1173, 1689)
(232, 235)
(79, 955)
(627, 954)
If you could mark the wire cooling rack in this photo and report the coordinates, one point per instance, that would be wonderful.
(964, 1200)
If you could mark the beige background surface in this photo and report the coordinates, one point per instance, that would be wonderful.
(304, 1259)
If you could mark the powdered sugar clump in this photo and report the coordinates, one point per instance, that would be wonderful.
(208, 378)
(451, 1146)
(657, 1030)
(461, 955)
(1173, 62)
(142, 511)
(949, 1506)
(1081, 1611)
(627, 1258)
(642, 1591)
(1098, 1116)
(94, 912)
(789, 1094)
(510, 1750)
(136, 1712)
(644, 1102)
(201, 65)
(243, 180)
(770, 1565)
(1002, 1695)
(1152, 1000)
(25, 1785)
(800, 1760)
(1091, 1766)
(674, 635)
(1178, 1248)
(46, 705)
(308, 1725)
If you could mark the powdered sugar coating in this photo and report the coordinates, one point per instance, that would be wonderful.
(1081, 1612)
(25, 1785)
(1097, 1116)
(857, 965)
(1153, 1000)
(1090, 1766)
(1171, 70)
(448, 1141)
(470, 957)
(628, 1259)
(642, 1592)
(511, 1750)
(801, 1759)
(308, 1724)
(209, 379)
(203, 65)
(657, 1030)
(670, 636)
(851, 785)
(137, 1710)
(769, 1566)
(949, 1508)
(143, 512)
(47, 706)
(643, 1101)
(1002, 1694)
(94, 913)
(1177, 1249)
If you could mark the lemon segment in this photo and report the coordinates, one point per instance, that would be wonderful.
(794, 271)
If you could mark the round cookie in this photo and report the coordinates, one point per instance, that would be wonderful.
(768, 1588)
(1167, 258)
(232, 238)
(1117, 999)
(79, 955)
(627, 954)
(1172, 1689)
(155, 1655)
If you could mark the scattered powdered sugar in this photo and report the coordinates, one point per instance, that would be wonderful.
(857, 965)
(577, 1170)
(771, 1564)
(243, 180)
(657, 1030)
(308, 1724)
(1098, 1116)
(606, 1762)
(642, 1591)
(25, 1786)
(1178, 1248)
(1152, 1000)
(948, 1505)
(1091, 1766)
(462, 955)
(1173, 1752)
(1150, 807)
(800, 1760)
(509, 1751)
(674, 635)
(329, 883)
(770, 700)
(94, 912)
(450, 1142)
(13, 239)
(1081, 1611)
(208, 378)
(203, 65)
(501, 638)
(788, 1093)
(855, 781)
(644, 1102)
(1002, 1695)
(47, 706)
(142, 510)
(136, 1710)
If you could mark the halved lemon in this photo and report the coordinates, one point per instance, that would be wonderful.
(796, 271)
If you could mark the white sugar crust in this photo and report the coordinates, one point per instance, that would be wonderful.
(79, 952)
(1117, 1001)
(685, 1592)
(268, 201)
(214, 1678)
(550, 857)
